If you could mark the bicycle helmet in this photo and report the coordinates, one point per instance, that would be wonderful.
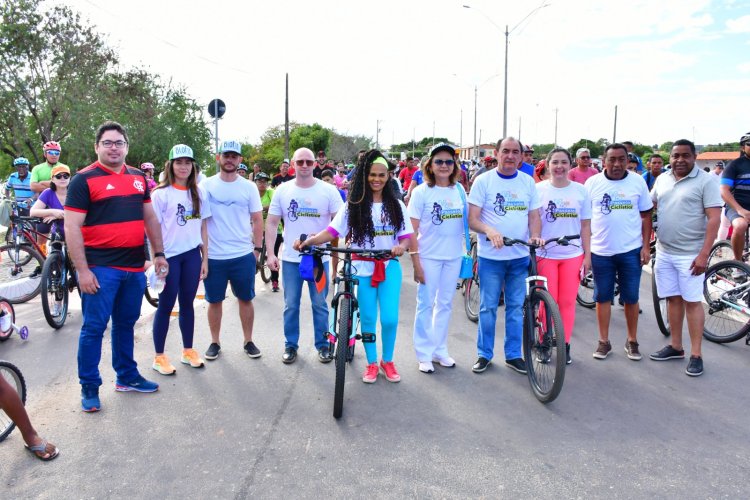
(147, 166)
(745, 139)
(20, 161)
(488, 159)
(242, 166)
(262, 176)
(632, 158)
(51, 146)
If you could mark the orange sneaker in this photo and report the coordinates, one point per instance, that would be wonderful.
(389, 369)
(371, 374)
(162, 365)
(192, 358)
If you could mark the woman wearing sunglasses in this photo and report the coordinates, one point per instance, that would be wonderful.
(374, 218)
(437, 211)
(50, 205)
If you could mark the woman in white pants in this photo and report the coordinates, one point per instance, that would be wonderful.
(437, 211)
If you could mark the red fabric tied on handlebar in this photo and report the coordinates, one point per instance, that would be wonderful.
(378, 275)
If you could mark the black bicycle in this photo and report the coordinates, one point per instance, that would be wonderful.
(262, 265)
(345, 314)
(543, 333)
(58, 280)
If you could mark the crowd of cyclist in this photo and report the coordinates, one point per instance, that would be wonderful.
(212, 229)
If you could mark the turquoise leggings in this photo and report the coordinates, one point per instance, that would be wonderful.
(387, 295)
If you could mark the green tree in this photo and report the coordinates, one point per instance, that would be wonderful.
(722, 147)
(315, 137)
(542, 150)
(594, 147)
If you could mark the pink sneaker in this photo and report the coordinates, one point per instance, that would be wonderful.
(389, 369)
(371, 374)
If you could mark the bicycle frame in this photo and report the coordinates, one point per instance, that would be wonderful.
(349, 293)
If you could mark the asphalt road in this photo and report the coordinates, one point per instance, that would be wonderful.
(255, 427)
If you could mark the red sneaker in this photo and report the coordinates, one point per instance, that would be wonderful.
(371, 374)
(389, 369)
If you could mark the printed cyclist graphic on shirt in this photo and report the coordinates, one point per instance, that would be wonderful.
(616, 201)
(560, 208)
(509, 201)
(183, 215)
(443, 210)
(301, 208)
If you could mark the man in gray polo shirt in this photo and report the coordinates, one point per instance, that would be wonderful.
(688, 206)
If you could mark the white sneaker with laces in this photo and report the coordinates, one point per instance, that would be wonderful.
(447, 361)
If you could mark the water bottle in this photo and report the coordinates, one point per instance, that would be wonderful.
(161, 280)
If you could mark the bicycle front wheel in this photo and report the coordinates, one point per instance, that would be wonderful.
(265, 272)
(544, 347)
(20, 273)
(343, 334)
(585, 295)
(660, 307)
(726, 291)
(54, 290)
(471, 290)
(13, 376)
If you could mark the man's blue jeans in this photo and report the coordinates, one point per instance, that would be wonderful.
(494, 276)
(292, 297)
(120, 296)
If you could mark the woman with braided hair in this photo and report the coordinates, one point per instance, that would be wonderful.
(374, 219)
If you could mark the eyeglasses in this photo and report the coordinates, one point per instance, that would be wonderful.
(447, 163)
(302, 163)
(62, 176)
(584, 157)
(117, 144)
(53, 152)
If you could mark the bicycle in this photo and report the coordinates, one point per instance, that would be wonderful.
(345, 314)
(58, 280)
(543, 333)
(8, 326)
(471, 285)
(21, 261)
(262, 265)
(726, 292)
(12, 374)
(722, 250)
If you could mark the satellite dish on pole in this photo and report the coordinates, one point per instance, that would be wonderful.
(217, 108)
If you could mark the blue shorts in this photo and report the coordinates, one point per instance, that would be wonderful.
(626, 267)
(239, 272)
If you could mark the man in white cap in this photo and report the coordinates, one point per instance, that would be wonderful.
(234, 245)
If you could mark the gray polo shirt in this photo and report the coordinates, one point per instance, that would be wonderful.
(681, 208)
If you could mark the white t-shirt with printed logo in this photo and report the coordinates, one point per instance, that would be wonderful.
(616, 207)
(180, 227)
(230, 230)
(505, 203)
(386, 237)
(440, 211)
(562, 211)
(304, 210)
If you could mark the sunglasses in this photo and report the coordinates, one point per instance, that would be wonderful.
(53, 152)
(447, 163)
(62, 176)
(302, 163)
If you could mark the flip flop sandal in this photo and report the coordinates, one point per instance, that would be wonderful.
(42, 448)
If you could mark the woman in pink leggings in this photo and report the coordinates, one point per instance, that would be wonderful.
(565, 210)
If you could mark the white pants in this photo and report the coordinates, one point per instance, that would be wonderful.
(434, 303)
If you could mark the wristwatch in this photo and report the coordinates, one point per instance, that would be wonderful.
(258, 249)
(159, 254)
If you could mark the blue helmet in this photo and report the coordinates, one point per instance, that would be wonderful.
(20, 161)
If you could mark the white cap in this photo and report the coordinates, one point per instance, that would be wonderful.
(231, 146)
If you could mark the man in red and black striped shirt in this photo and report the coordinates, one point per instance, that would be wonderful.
(106, 211)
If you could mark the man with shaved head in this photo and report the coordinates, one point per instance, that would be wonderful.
(307, 205)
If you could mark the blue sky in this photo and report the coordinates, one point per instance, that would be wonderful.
(674, 68)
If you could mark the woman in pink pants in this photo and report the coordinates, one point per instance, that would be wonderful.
(565, 210)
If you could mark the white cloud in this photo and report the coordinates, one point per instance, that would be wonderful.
(739, 25)
(744, 68)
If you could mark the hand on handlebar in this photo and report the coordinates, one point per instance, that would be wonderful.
(536, 241)
(495, 238)
(397, 251)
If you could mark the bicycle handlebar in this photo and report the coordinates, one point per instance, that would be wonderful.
(26, 218)
(328, 249)
(562, 240)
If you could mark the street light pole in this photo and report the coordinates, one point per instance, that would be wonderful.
(476, 146)
(505, 87)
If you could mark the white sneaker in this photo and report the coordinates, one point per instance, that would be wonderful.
(56, 309)
(739, 275)
(426, 367)
(447, 361)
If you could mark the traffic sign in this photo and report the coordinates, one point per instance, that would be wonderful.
(217, 108)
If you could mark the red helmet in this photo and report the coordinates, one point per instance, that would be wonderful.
(51, 145)
(488, 159)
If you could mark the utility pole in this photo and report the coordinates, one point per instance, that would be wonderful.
(505, 88)
(286, 120)
(555, 127)
(476, 145)
(614, 133)
(433, 132)
(377, 134)
(461, 133)
(519, 128)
